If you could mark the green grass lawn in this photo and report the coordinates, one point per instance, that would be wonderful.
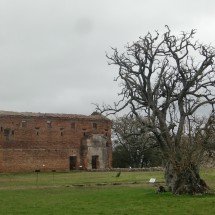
(89, 193)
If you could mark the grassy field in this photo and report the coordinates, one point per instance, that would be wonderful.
(89, 193)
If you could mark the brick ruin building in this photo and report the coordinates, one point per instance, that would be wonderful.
(47, 142)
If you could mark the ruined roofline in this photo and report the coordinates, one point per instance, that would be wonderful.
(93, 116)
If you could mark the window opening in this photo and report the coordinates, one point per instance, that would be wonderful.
(95, 125)
(73, 125)
(7, 133)
(24, 124)
(49, 124)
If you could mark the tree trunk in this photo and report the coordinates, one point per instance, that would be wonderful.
(184, 179)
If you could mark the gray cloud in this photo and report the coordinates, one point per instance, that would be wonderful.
(53, 52)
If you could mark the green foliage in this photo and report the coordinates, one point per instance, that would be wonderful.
(134, 145)
(120, 157)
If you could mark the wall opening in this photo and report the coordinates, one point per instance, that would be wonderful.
(95, 162)
(94, 125)
(73, 125)
(73, 162)
(24, 124)
(49, 124)
(7, 133)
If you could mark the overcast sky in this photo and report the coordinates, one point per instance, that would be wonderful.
(52, 52)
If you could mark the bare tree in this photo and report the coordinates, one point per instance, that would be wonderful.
(170, 79)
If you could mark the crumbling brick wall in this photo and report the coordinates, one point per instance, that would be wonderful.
(45, 142)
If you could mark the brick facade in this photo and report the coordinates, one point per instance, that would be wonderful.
(61, 142)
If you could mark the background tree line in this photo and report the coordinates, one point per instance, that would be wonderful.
(132, 146)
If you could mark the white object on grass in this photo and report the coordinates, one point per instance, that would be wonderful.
(152, 180)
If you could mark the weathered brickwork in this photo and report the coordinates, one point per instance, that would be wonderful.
(61, 142)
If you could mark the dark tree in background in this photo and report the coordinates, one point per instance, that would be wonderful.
(133, 145)
(170, 80)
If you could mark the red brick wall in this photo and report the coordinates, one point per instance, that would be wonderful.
(40, 146)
